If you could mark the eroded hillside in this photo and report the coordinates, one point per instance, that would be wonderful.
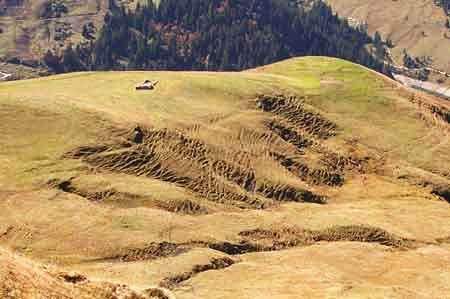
(312, 176)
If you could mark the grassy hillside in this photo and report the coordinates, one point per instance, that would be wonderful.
(417, 26)
(262, 179)
(26, 34)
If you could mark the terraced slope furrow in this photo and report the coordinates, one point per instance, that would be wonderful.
(293, 111)
(313, 177)
(176, 158)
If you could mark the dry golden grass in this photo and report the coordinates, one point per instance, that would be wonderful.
(417, 26)
(22, 279)
(224, 153)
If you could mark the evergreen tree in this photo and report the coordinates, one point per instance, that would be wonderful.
(71, 61)
(53, 62)
(223, 35)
